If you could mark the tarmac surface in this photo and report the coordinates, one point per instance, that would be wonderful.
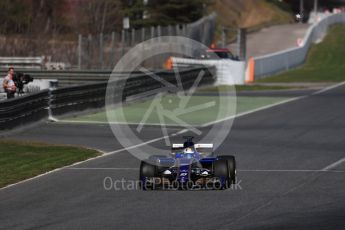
(273, 39)
(291, 173)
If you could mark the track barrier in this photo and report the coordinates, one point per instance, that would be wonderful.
(46, 104)
(287, 59)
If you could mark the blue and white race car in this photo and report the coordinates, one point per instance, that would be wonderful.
(190, 166)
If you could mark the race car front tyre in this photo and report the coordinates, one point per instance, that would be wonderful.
(147, 171)
(231, 167)
(220, 168)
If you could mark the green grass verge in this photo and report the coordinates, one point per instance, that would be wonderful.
(325, 61)
(21, 160)
(219, 108)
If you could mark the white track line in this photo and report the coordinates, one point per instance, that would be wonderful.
(333, 165)
(239, 170)
(290, 170)
(103, 155)
(201, 126)
(52, 171)
(145, 143)
(180, 132)
(329, 88)
(223, 119)
(115, 123)
(252, 111)
(116, 169)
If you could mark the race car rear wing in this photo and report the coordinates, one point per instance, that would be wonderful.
(208, 146)
(204, 149)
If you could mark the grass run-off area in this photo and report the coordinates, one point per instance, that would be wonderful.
(22, 160)
(325, 61)
(174, 110)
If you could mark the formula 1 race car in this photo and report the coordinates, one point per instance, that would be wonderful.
(190, 166)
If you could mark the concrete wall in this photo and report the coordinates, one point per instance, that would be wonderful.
(284, 60)
(228, 72)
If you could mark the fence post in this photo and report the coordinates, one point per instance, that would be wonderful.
(177, 29)
(142, 34)
(242, 41)
(90, 50)
(159, 33)
(112, 59)
(123, 42)
(223, 37)
(101, 50)
(133, 37)
(152, 32)
(170, 33)
(184, 30)
(79, 50)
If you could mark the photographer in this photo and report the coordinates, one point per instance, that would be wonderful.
(21, 79)
(8, 84)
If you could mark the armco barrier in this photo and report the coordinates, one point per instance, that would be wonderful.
(290, 58)
(22, 62)
(23, 110)
(79, 98)
(72, 77)
(56, 102)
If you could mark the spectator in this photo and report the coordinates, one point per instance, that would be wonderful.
(8, 84)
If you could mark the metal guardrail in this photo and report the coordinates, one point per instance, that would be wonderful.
(23, 110)
(72, 78)
(22, 62)
(74, 99)
(78, 98)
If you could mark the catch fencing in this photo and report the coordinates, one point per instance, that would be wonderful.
(74, 99)
(291, 58)
(103, 51)
(98, 51)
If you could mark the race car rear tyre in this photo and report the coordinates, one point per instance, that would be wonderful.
(231, 168)
(220, 168)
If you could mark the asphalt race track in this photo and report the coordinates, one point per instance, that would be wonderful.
(291, 173)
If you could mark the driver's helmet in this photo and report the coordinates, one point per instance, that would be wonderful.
(188, 151)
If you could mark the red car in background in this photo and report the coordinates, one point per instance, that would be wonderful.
(218, 53)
